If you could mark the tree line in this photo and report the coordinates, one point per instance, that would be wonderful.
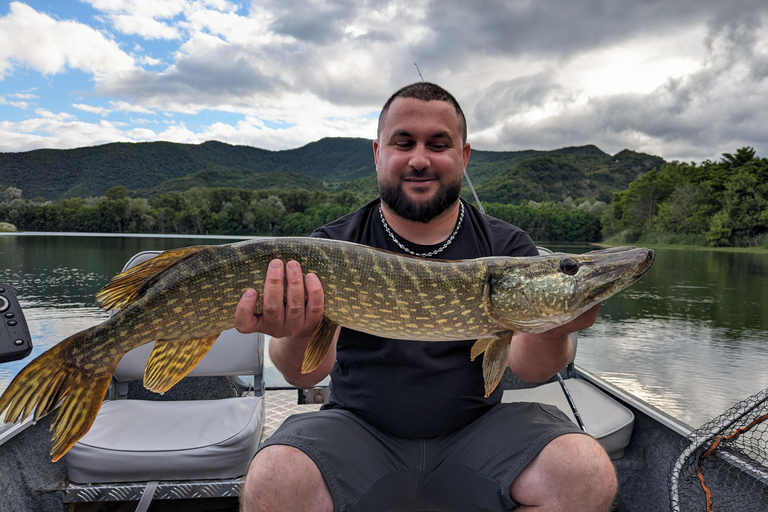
(275, 212)
(717, 204)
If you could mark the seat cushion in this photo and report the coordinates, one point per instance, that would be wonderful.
(606, 419)
(138, 440)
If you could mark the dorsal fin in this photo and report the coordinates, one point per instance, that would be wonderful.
(129, 285)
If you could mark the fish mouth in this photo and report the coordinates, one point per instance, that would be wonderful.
(642, 267)
(645, 265)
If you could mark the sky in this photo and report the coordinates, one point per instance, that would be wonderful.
(685, 80)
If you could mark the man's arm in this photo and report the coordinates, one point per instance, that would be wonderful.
(537, 357)
(289, 319)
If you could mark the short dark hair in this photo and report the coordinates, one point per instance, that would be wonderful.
(425, 91)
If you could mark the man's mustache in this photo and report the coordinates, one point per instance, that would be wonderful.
(418, 173)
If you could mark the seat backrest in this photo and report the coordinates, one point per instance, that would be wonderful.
(233, 353)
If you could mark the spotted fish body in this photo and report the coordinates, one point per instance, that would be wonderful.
(184, 298)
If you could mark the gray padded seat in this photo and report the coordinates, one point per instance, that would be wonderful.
(143, 440)
(607, 420)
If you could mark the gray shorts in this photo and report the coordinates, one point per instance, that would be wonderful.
(468, 470)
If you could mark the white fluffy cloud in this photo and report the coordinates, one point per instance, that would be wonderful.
(37, 41)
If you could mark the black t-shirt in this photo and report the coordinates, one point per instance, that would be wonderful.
(416, 389)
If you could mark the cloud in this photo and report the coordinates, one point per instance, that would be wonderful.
(37, 41)
(142, 17)
(313, 22)
(681, 79)
(716, 108)
(89, 108)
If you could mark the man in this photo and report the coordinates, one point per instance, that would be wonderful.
(407, 427)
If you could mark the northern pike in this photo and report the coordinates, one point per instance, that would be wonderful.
(184, 298)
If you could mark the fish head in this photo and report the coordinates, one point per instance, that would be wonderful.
(542, 292)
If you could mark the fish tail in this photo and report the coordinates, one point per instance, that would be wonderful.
(54, 380)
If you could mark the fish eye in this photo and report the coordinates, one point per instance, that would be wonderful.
(569, 266)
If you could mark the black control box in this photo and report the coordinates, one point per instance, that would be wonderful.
(15, 341)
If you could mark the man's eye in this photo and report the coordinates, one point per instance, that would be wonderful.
(403, 145)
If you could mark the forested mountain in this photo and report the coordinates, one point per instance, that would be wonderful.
(141, 167)
(151, 168)
(559, 195)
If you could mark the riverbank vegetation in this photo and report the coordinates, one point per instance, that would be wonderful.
(715, 204)
(275, 212)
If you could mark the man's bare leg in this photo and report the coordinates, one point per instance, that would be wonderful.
(572, 472)
(284, 479)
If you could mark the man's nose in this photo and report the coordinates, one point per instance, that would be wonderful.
(419, 157)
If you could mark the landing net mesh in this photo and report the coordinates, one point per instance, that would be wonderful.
(724, 464)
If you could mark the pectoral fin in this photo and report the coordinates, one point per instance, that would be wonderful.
(495, 360)
(171, 361)
(318, 345)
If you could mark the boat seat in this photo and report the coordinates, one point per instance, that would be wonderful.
(607, 420)
(149, 440)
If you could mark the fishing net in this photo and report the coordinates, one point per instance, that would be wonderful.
(724, 464)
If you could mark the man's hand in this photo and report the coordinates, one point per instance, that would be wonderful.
(583, 321)
(292, 303)
(537, 357)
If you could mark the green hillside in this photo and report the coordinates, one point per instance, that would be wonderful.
(151, 168)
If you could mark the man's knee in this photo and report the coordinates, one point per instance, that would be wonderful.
(281, 478)
(571, 469)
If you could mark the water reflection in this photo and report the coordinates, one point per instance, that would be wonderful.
(56, 278)
(689, 337)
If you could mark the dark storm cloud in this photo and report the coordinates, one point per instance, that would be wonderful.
(224, 74)
(507, 98)
(719, 107)
(679, 121)
(313, 22)
(559, 29)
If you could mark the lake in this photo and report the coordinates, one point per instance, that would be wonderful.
(690, 337)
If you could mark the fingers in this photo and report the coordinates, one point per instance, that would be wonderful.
(294, 295)
(273, 308)
(292, 304)
(245, 321)
(582, 321)
(315, 301)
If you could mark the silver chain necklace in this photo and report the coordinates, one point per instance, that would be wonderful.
(424, 254)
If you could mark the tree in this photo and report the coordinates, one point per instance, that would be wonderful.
(11, 193)
(117, 193)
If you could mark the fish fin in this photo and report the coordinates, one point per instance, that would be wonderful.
(171, 361)
(129, 285)
(479, 347)
(495, 358)
(318, 345)
(53, 379)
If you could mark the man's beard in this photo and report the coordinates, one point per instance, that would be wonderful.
(419, 211)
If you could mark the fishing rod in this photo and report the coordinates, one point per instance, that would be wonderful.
(466, 175)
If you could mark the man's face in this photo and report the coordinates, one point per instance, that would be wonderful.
(420, 158)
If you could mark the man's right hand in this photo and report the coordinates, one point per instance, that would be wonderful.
(287, 310)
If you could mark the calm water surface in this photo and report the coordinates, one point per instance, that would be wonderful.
(690, 337)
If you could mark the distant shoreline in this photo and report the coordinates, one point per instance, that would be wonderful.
(689, 247)
(127, 235)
